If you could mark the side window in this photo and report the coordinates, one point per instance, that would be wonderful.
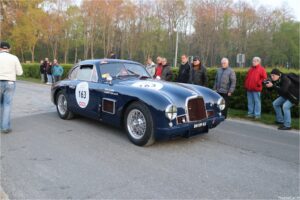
(73, 73)
(85, 73)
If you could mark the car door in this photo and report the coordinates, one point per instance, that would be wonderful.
(83, 92)
(110, 97)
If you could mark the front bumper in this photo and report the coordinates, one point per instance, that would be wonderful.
(187, 129)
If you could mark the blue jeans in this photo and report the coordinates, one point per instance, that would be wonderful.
(254, 104)
(281, 104)
(49, 78)
(7, 89)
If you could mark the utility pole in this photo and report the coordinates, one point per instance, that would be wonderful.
(176, 47)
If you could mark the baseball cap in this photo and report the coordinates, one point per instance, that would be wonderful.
(4, 45)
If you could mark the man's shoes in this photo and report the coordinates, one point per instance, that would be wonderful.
(6, 131)
(284, 128)
(279, 123)
(257, 117)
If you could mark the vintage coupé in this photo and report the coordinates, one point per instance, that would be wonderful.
(122, 93)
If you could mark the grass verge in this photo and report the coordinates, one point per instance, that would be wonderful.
(34, 80)
(266, 118)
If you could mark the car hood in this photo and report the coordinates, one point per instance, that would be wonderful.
(173, 91)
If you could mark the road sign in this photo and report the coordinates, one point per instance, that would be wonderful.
(240, 59)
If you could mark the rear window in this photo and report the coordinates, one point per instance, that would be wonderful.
(86, 73)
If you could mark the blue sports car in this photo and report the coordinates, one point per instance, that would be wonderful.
(122, 93)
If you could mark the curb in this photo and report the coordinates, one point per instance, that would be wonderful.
(269, 126)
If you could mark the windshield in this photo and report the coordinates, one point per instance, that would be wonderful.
(119, 70)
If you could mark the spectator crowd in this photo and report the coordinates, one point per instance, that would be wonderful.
(51, 72)
(286, 85)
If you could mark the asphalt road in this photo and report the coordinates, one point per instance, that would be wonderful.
(46, 157)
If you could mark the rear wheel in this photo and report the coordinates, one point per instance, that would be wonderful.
(139, 124)
(62, 106)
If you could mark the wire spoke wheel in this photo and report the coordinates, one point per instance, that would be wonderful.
(62, 104)
(136, 124)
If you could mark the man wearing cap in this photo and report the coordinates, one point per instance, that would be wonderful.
(10, 66)
(288, 91)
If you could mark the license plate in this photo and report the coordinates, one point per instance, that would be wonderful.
(199, 125)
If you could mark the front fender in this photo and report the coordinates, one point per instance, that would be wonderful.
(155, 101)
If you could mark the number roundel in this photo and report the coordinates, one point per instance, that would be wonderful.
(82, 94)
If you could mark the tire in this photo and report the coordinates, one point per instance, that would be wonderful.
(139, 124)
(62, 106)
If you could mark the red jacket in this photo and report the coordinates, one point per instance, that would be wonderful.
(158, 70)
(254, 79)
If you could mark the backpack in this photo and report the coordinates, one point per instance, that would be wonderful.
(295, 82)
(294, 78)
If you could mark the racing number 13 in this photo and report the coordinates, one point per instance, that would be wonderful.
(82, 94)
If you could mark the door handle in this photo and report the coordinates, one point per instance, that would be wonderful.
(72, 86)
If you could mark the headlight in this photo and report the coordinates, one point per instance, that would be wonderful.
(171, 112)
(221, 103)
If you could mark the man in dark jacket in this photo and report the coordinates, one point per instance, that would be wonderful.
(288, 95)
(49, 73)
(225, 82)
(184, 70)
(166, 73)
(42, 71)
(198, 74)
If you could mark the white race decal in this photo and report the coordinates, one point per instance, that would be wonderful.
(82, 94)
(148, 84)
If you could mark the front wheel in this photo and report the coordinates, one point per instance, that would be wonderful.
(139, 124)
(62, 106)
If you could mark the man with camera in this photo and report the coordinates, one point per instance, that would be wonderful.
(287, 86)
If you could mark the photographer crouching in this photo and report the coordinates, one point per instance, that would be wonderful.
(287, 86)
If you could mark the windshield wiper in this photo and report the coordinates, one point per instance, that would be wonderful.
(133, 73)
(144, 77)
(136, 74)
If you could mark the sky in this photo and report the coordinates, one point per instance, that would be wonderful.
(293, 5)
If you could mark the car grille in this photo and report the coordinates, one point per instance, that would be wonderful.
(196, 109)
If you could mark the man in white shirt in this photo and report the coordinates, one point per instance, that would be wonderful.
(10, 67)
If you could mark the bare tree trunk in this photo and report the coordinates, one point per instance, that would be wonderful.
(76, 52)
(32, 54)
(22, 55)
(65, 56)
(92, 48)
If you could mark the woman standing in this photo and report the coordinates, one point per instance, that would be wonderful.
(198, 74)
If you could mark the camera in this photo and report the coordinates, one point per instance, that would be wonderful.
(267, 81)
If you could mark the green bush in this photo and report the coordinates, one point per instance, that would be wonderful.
(238, 100)
(33, 70)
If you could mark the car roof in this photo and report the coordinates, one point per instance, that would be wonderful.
(107, 60)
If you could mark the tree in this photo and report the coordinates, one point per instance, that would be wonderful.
(286, 45)
(28, 29)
